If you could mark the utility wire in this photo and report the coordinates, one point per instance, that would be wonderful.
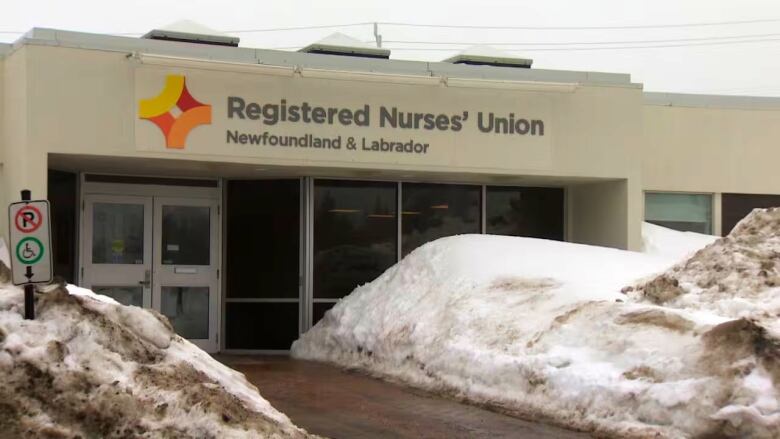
(455, 26)
(566, 49)
(239, 31)
(586, 43)
(638, 26)
(573, 49)
(280, 29)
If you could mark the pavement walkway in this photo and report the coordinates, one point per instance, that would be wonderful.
(340, 404)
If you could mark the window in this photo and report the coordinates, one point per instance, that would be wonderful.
(262, 307)
(432, 211)
(737, 206)
(683, 212)
(263, 239)
(532, 212)
(355, 234)
(62, 196)
(118, 233)
(186, 236)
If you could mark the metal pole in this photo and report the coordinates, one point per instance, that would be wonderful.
(29, 289)
(377, 37)
(29, 302)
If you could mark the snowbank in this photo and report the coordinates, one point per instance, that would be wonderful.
(737, 276)
(541, 329)
(669, 243)
(89, 367)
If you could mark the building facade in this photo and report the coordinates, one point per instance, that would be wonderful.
(242, 192)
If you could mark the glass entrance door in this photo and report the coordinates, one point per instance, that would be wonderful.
(118, 248)
(159, 253)
(185, 267)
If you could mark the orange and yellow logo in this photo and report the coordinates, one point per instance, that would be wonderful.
(175, 111)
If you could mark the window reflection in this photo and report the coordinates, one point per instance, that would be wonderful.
(683, 212)
(187, 308)
(263, 239)
(432, 211)
(355, 231)
(185, 235)
(117, 233)
(525, 211)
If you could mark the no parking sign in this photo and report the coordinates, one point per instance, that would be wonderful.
(31, 260)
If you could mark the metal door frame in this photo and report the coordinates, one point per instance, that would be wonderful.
(104, 190)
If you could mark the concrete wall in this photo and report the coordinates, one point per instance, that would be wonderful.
(605, 214)
(84, 102)
(87, 105)
(711, 149)
(24, 166)
(3, 202)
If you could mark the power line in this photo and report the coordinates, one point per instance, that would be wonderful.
(573, 49)
(586, 43)
(566, 49)
(238, 31)
(455, 26)
(638, 26)
(280, 29)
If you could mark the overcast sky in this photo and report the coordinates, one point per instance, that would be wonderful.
(751, 68)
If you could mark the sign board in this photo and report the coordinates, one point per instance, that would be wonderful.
(31, 258)
(338, 122)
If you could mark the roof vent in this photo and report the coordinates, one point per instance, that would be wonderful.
(186, 31)
(344, 45)
(489, 56)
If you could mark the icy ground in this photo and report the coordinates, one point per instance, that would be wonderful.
(89, 367)
(578, 335)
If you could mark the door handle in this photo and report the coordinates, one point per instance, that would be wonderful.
(147, 282)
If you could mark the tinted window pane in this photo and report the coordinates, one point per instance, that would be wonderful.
(188, 310)
(530, 212)
(432, 211)
(118, 233)
(62, 196)
(355, 234)
(272, 326)
(263, 238)
(125, 295)
(684, 212)
(185, 235)
(320, 308)
(736, 206)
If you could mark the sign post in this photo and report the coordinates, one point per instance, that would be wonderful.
(31, 260)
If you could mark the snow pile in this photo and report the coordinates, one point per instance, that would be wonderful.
(669, 243)
(540, 329)
(89, 367)
(5, 258)
(737, 276)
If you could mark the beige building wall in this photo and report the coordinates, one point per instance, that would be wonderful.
(3, 201)
(23, 167)
(603, 214)
(83, 102)
(711, 149)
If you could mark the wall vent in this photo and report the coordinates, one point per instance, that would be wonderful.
(186, 31)
(344, 45)
(489, 56)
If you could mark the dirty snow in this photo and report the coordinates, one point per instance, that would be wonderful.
(89, 367)
(737, 276)
(541, 329)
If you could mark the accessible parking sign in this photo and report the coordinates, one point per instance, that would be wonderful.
(31, 258)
